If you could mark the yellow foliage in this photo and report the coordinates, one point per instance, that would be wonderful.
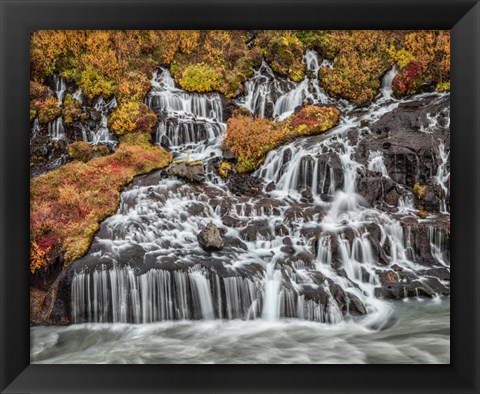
(38, 257)
(419, 191)
(200, 78)
(225, 169)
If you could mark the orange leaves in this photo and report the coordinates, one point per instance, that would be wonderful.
(47, 109)
(67, 204)
(360, 61)
(131, 117)
(38, 257)
(363, 56)
(250, 140)
(46, 49)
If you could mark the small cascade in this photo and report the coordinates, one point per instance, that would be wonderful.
(78, 95)
(263, 90)
(273, 284)
(100, 134)
(60, 88)
(376, 164)
(442, 176)
(185, 120)
(439, 245)
(56, 130)
(36, 127)
(269, 96)
(387, 80)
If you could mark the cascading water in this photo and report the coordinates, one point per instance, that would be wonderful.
(314, 248)
(100, 134)
(269, 96)
(60, 88)
(56, 130)
(187, 122)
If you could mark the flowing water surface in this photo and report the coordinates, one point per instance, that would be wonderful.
(417, 332)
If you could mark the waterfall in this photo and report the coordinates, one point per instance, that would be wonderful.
(387, 80)
(272, 289)
(376, 164)
(100, 134)
(442, 176)
(310, 248)
(60, 88)
(185, 120)
(269, 96)
(56, 130)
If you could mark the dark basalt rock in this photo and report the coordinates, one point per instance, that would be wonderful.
(230, 221)
(429, 287)
(210, 238)
(234, 242)
(439, 273)
(270, 187)
(418, 233)
(410, 155)
(388, 277)
(354, 306)
(432, 199)
(244, 184)
(307, 196)
(281, 229)
(257, 229)
(131, 255)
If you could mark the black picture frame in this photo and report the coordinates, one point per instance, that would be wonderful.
(19, 17)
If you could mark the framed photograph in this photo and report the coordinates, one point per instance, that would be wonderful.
(244, 184)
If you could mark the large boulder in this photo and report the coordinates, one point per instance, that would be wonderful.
(210, 238)
(190, 171)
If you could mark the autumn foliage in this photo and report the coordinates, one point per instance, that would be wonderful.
(251, 139)
(132, 116)
(67, 204)
(120, 63)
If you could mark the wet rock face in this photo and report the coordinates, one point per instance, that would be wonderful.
(210, 238)
(46, 154)
(408, 132)
(190, 171)
(244, 184)
(432, 199)
(255, 230)
(408, 139)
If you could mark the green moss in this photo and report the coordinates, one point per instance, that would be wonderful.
(93, 84)
(225, 169)
(200, 78)
(102, 150)
(132, 117)
(284, 53)
(80, 150)
(72, 109)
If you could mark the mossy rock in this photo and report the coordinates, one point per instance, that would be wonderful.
(80, 151)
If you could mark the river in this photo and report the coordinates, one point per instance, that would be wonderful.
(418, 332)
